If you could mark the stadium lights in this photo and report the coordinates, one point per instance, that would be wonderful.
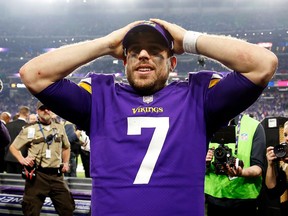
(2, 49)
(42, 1)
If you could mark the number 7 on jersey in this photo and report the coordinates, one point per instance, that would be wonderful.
(161, 125)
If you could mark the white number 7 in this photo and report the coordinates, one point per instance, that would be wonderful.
(161, 125)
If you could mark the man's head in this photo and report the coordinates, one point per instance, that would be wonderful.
(162, 35)
(149, 59)
(44, 113)
(32, 118)
(24, 112)
(285, 131)
(6, 117)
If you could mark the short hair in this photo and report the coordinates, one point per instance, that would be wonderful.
(24, 110)
(6, 114)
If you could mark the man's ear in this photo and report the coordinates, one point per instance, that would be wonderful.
(173, 62)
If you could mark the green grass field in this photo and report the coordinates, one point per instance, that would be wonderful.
(80, 170)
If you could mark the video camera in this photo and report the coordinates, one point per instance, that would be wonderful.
(281, 150)
(223, 154)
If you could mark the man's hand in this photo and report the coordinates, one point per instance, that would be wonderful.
(234, 171)
(66, 167)
(27, 161)
(270, 155)
(176, 32)
(115, 39)
(209, 156)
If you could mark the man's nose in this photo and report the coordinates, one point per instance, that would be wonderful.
(143, 54)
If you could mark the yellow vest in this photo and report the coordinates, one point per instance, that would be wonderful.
(240, 188)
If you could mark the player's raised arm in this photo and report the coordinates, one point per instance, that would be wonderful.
(47, 68)
(258, 64)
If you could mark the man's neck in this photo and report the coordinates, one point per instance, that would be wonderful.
(45, 122)
(21, 118)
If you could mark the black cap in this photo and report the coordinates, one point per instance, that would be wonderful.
(39, 104)
(149, 26)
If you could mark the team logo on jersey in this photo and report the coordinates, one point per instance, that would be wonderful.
(148, 99)
(148, 110)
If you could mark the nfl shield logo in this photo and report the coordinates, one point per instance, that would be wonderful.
(244, 136)
(148, 99)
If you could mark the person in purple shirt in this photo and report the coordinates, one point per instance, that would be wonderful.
(149, 138)
(5, 138)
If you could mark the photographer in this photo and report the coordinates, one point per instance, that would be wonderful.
(276, 178)
(232, 188)
(47, 160)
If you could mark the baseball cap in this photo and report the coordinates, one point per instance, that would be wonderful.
(39, 105)
(146, 26)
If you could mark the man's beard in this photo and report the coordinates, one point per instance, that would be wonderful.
(147, 88)
(46, 119)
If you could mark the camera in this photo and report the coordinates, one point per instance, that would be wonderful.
(281, 150)
(49, 138)
(223, 154)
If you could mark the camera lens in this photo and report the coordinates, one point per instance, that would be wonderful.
(280, 150)
(220, 154)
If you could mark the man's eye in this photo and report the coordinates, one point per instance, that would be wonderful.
(151, 50)
(155, 51)
(134, 50)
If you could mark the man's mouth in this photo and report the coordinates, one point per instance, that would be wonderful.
(144, 69)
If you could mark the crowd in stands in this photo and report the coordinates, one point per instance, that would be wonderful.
(25, 37)
(271, 103)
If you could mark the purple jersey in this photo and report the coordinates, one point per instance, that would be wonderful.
(148, 153)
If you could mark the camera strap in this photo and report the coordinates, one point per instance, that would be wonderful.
(237, 134)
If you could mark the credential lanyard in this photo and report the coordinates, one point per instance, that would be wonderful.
(238, 133)
(45, 138)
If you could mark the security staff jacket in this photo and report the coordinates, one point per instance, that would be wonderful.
(45, 143)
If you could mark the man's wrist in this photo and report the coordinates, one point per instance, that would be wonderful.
(190, 41)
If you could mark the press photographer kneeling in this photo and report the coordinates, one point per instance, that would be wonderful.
(234, 168)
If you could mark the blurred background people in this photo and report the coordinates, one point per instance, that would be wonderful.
(73, 135)
(32, 118)
(5, 117)
(14, 127)
(85, 153)
(5, 139)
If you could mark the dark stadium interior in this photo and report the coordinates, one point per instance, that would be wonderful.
(29, 28)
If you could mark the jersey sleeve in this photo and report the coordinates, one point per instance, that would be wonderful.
(68, 100)
(229, 96)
